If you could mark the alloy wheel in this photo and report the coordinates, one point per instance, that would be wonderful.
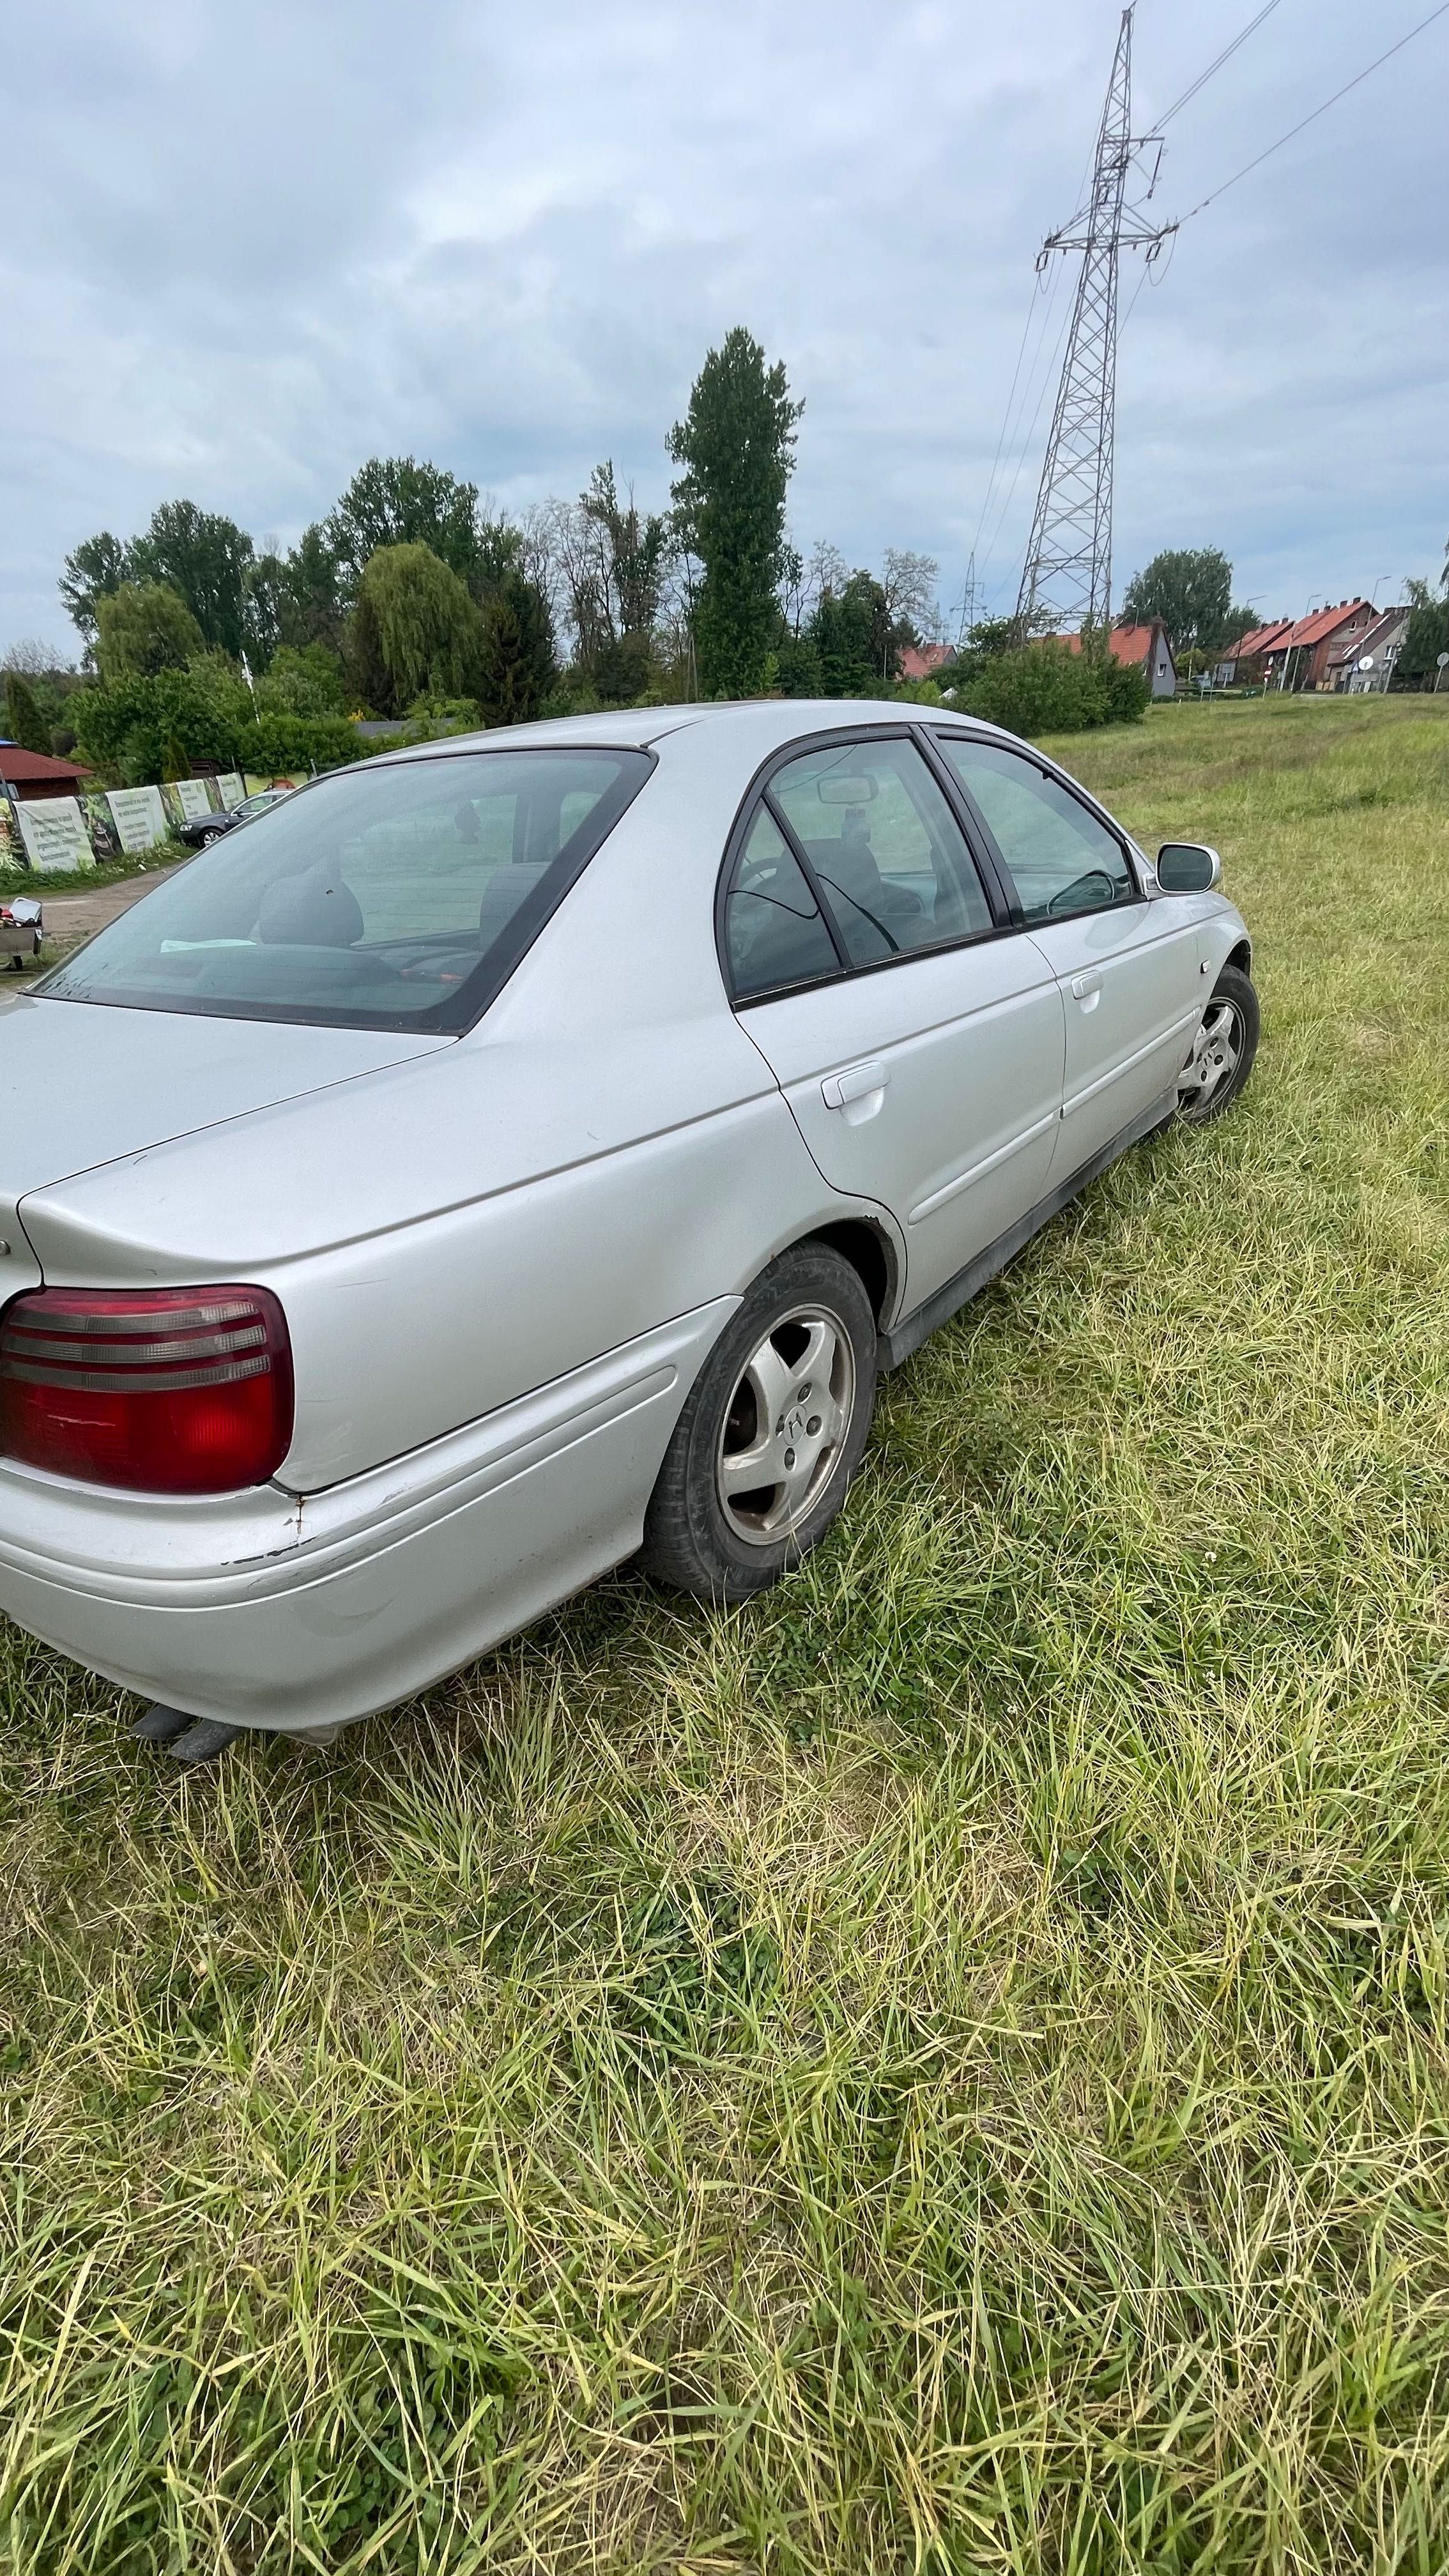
(1214, 1060)
(786, 1426)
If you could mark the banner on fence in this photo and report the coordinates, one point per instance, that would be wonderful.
(105, 839)
(105, 824)
(55, 834)
(139, 817)
(186, 800)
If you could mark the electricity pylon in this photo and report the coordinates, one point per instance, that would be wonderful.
(1067, 582)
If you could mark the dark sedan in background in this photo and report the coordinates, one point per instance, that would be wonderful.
(208, 827)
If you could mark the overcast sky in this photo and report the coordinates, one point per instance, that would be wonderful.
(244, 249)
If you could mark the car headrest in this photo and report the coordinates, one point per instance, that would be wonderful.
(314, 910)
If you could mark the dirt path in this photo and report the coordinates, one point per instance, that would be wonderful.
(73, 917)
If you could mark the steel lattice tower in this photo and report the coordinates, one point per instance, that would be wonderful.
(1067, 582)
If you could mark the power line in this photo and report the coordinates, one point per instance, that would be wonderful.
(1026, 445)
(1225, 56)
(1031, 312)
(1359, 77)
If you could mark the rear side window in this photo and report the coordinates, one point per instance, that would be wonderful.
(398, 896)
(1061, 859)
(883, 846)
(775, 937)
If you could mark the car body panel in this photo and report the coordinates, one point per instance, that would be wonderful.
(259, 1611)
(83, 1084)
(1131, 998)
(956, 1139)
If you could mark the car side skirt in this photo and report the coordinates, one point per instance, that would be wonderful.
(904, 1339)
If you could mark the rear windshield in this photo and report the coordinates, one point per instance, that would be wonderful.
(397, 896)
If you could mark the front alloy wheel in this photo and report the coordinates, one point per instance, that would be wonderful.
(1223, 1050)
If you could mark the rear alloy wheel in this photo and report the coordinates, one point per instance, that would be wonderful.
(1223, 1050)
(765, 1449)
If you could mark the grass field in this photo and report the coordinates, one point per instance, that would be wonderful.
(942, 2070)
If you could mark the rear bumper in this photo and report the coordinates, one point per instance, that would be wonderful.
(271, 1610)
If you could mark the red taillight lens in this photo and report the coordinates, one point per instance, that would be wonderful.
(165, 1390)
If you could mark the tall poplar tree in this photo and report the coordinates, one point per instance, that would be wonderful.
(735, 446)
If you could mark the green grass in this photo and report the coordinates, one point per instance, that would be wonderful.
(50, 881)
(946, 2069)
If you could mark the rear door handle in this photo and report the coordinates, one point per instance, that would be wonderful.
(839, 1089)
(1083, 985)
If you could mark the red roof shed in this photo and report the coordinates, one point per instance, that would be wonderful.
(34, 773)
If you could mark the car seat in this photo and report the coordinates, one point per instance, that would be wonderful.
(314, 910)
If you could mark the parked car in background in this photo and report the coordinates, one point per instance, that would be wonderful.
(527, 1150)
(209, 827)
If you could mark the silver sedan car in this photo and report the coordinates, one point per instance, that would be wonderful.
(520, 1152)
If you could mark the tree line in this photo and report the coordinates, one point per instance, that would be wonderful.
(414, 598)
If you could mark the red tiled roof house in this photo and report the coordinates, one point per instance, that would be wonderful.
(1143, 648)
(1300, 657)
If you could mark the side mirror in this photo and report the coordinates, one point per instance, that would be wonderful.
(1187, 867)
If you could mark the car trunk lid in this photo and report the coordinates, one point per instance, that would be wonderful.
(83, 1084)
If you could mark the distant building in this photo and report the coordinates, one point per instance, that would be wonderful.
(1243, 662)
(1300, 658)
(1364, 661)
(1143, 648)
(923, 661)
(33, 773)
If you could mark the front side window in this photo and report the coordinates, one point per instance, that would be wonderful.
(775, 938)
(396, 896)
(884, 848)
(1061, 859)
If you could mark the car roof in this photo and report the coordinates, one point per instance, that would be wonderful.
(757, 725)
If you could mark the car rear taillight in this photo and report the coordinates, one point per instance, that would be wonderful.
(164, 1390)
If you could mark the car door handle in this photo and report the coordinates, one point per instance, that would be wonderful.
(1088, 990)
(838, 1090)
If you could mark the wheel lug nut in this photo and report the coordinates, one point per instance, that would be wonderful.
(805, 1392)
(813, 1425)
(789, 1457)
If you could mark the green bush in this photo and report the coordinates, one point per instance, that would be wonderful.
(148, 728)
(1129, 691)
(291, 745)
(303, 680)
(123, 729)
(1044, 688)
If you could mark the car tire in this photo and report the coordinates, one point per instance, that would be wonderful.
(1223, 1050)
(789, 1388)
(207, 839)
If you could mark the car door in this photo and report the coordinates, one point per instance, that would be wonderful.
(918, 1041)
(1128, 968)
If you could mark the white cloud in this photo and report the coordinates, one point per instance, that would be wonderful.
(245, 250)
